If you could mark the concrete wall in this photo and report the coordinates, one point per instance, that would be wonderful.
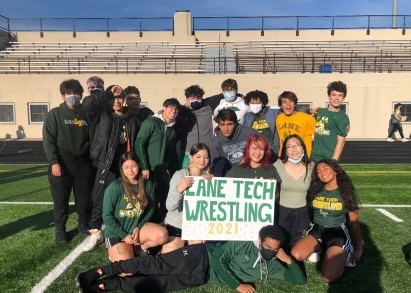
(370, 96)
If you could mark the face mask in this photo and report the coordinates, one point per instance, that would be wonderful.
(73, 101)
(196, 105)
(296, 161)
(230, 96)
(256, 108)
(267, 254)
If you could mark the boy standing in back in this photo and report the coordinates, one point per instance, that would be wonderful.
(66, 144)
(331, 125)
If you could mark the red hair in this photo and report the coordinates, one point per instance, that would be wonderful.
(262, 144)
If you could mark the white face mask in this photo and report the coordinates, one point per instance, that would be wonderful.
(296, 161)
(256, 108)
(73, 101)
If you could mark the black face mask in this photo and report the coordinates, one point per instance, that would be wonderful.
(267, 254)
(196, 105)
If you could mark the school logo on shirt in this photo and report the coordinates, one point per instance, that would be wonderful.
(234, 108)
(130, 211)
(320, 126)
(326, 204)
(234, 152)
(75, 121)
(260, 125)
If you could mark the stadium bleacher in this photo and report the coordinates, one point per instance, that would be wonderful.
(309, 56)
(116, 57)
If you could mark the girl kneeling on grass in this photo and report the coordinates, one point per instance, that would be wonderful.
(198, 165)
(333, 197)
(127, 209)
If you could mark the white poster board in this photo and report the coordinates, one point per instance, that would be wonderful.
(227, 208)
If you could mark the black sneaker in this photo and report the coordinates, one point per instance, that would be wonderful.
(61, 236)
(87, 281)
(83, 228)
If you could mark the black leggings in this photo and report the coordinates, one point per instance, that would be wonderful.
(180, 269)
(396, 127)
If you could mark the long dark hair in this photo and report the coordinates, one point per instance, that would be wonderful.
(133, 196)
(348, 192)
(284, 157)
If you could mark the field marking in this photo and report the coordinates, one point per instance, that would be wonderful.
(21, 175)
(389, 215)
(72, 203)
(385, 205)
(30, 202)
(59, 269)
(379, 172)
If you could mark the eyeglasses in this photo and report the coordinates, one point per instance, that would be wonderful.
(295, 146)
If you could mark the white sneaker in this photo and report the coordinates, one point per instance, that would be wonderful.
(404, 140)
(390, 139)
(95, 239)
(314, 257)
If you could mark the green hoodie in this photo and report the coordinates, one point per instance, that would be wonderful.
(65, 136)
(238, 262)
(155, 144)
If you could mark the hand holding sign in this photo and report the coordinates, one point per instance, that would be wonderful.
(185, 183)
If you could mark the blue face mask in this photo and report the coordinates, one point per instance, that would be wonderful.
(196, 105)
(230, 96)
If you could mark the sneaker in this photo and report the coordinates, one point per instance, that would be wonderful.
(95, 239)
(61, 236)
(390, 139)
(83, 228)
(404, 140)
(314, 257)
(87, 281)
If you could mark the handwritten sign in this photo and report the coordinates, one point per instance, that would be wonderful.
(227, 208)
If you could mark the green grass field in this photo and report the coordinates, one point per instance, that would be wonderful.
(28, 252)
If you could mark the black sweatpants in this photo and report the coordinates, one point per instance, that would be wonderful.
(77, 176)
(180, 269)
(103, 180)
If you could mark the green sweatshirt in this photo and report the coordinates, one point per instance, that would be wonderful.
(155, 144)
(65, 136)
(238, 262)
(119, 216)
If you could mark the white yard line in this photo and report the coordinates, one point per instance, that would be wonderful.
(386, 205)
(21, 175)
(59, 269)
(72, 203)
(389, 215)
(30, 202)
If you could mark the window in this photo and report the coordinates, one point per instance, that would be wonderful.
(7, 113)
(37, 112)
(304, 107)
(405, 110)
(343, 107)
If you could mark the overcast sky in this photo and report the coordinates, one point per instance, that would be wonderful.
(157, 8)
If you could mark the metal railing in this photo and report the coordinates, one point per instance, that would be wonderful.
(219, 23)
(138, 24)
(263, 23)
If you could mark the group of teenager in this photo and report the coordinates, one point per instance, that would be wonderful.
(129, 168)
